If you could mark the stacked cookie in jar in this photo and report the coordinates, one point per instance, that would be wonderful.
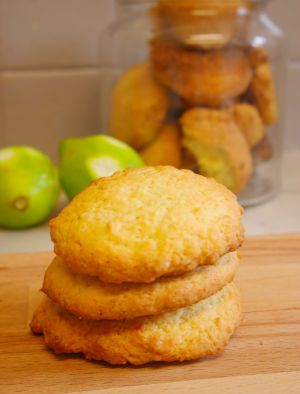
(204, 98)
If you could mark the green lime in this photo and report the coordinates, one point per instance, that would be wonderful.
(84, 159)
(29, 187)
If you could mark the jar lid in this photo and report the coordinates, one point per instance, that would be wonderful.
(205, 3)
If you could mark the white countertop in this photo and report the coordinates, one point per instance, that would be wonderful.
(281, 215)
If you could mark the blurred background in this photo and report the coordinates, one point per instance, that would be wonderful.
(49, 57)
(49, 90)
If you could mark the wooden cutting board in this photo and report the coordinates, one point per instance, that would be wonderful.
(263, 356)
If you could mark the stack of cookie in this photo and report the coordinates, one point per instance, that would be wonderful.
(143, 271)
(203, 98)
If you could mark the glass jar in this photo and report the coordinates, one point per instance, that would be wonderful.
(198, 84)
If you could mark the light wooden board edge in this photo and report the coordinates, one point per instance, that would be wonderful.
(277, 383)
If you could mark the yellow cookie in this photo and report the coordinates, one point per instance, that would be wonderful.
(219, 146)
(165, 149)
(185, 334)
(139, 107)
(206, 78)
(141, 224)
(88, 298)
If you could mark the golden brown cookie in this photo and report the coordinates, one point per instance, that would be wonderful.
(88, 298)
(139, 107)
(141, 224)
(185, 334)
(249, 121)
(203, 23)
(219, 146)
(262, 87)
(207, 78)
(165, 149)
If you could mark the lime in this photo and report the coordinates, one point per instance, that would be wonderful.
(29, 187)
(84, 159)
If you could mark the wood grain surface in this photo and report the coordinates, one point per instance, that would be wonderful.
(263, 356)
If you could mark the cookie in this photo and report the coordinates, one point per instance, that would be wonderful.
(139, 107)
(165, 149)
(185, 334)
(219, 146)
(88, 298)
(249, 121)
(206, 78)
(144, 223)
(262, 87)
